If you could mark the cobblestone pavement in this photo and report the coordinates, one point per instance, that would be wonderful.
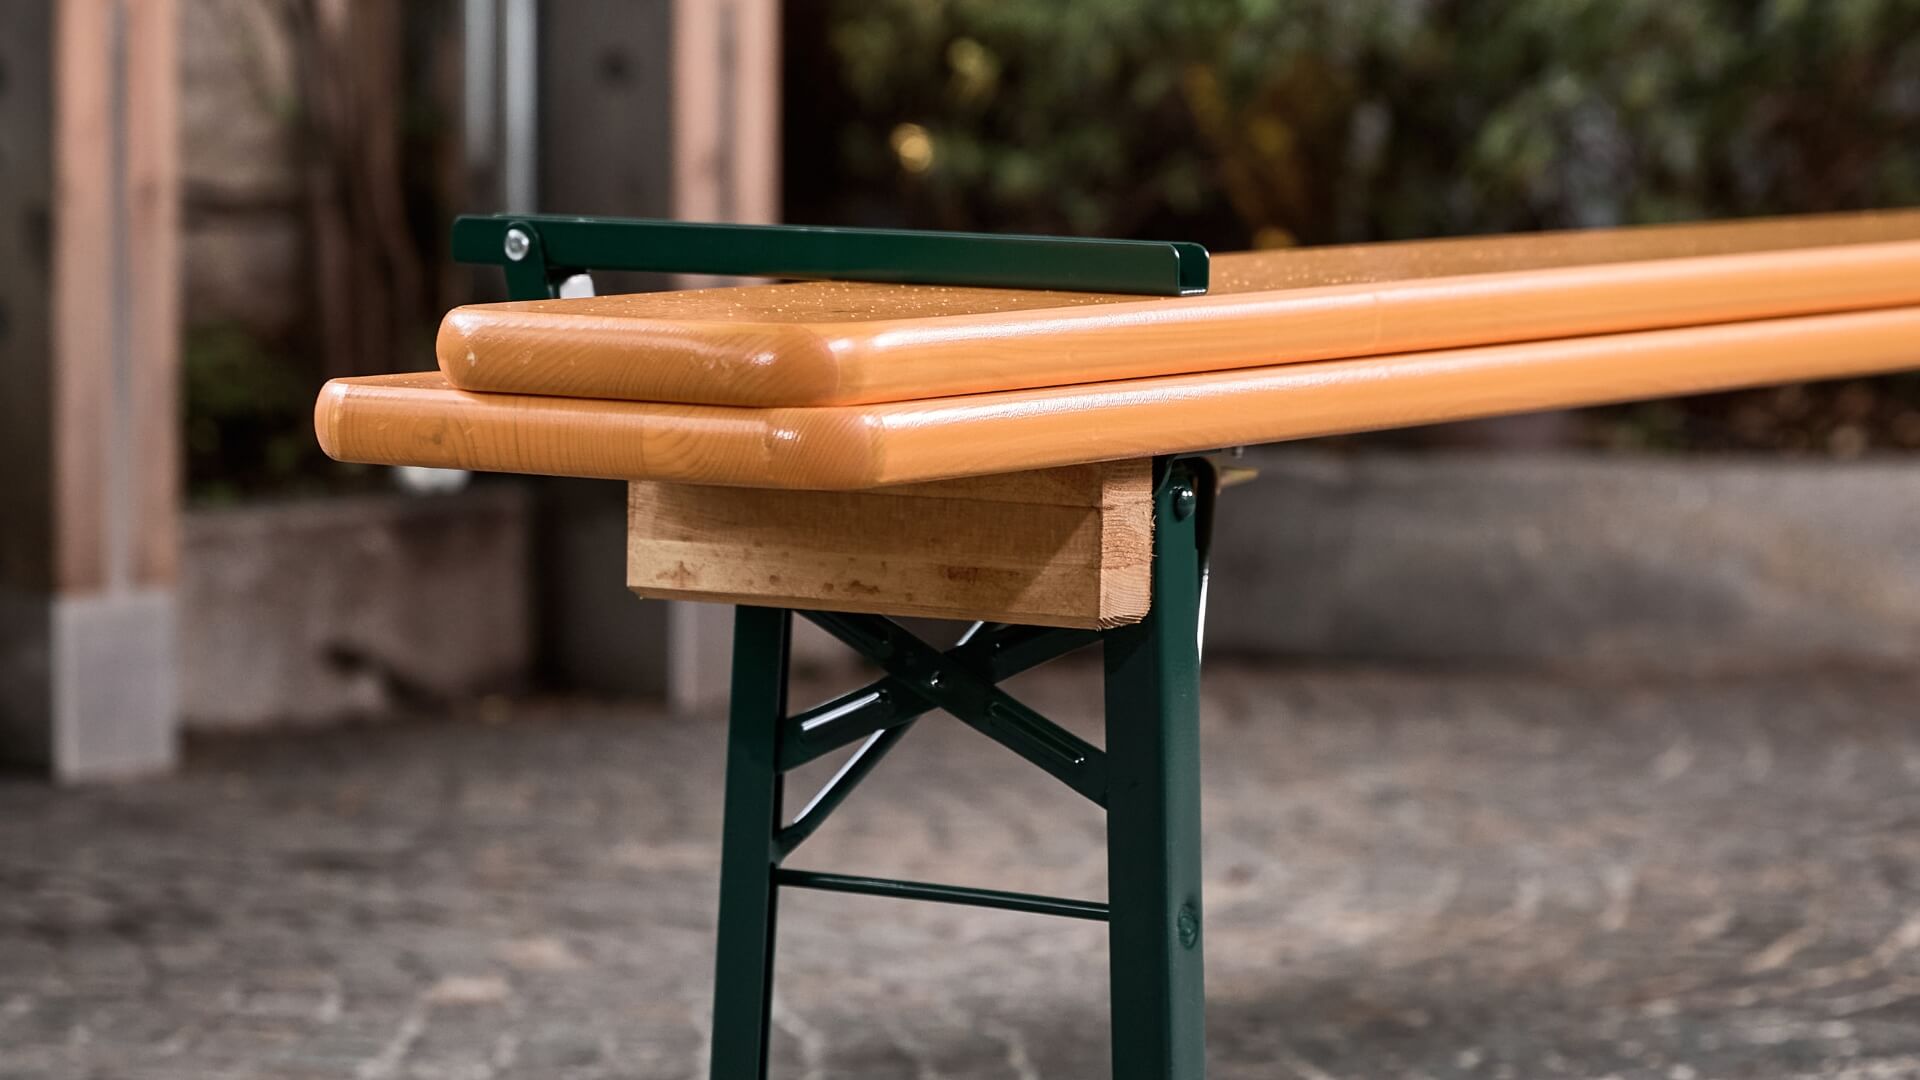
(1408, 875)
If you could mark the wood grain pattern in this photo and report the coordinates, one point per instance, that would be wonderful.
(1061, 547)
(115, 296)
(83, 265)
(421, 420)
(725, 104)
(824, 343)
(152, 255)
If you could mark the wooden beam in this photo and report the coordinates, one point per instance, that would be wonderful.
(726, 110)
(726, 115)
(151, 264)
(91, 329)
(1060, 547)
(85, 288)
(116, 285)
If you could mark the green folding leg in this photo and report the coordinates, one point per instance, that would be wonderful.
(743, 976)
(1153, 803)
(1147, 777)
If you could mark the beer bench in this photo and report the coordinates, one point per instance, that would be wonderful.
(1009, 431)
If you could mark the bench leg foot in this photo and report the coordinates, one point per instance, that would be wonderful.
(1153, 810)
(743, 979)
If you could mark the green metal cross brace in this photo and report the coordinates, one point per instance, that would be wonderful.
(883, 712)
(998, 653)
(974, 700)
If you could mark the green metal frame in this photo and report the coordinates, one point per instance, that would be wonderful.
(539, 252)
(1147, 778)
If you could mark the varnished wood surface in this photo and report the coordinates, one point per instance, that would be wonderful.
(421, 420)
(1057, 547)
(824, 343)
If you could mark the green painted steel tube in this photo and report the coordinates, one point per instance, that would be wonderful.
(903, 256)
(743, 968)
(835, 790)
(972, 700)
(944, 894)
(1153, 804)
(999, 654)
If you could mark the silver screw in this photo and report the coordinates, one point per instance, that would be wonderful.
(518, 244)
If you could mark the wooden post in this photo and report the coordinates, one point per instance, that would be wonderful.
(726, 110)
(89, 326)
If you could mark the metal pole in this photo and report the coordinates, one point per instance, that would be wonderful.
(1153, 806)
(520, 94)
(743, 976)
(479, 32)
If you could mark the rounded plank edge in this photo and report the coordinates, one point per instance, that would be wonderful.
(420, 420)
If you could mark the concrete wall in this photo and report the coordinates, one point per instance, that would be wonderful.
(325, 608)
(1570, 560)
(305, 611)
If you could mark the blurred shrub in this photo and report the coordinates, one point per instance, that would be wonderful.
(1272, 122)
(1323, 120)
(339, 181)
(250, 420)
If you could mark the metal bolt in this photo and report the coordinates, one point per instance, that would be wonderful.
(1188, 925)
(1184, 500)
(518, 244)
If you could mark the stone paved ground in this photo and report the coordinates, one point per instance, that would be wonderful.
(1409, 875)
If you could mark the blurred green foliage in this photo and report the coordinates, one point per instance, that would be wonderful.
(1271, 122)
(250, 420)
(1322, 120)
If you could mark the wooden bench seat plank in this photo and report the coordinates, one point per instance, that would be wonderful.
(828, 343)
(421, 420)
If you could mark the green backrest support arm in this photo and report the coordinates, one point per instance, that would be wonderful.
(539, 251)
